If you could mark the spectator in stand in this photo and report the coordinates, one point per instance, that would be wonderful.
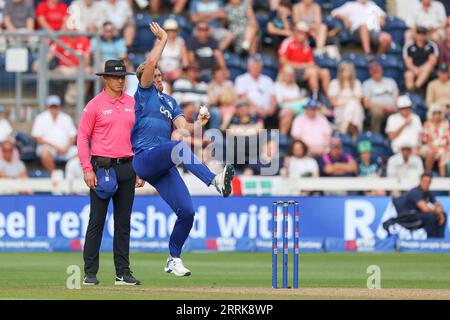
(241, 21)
(295, 51)
(427, 208)
(259, 89)
(313, 129)
(420, 57)
(336, 163)
(289, 98)
(438, 90)
(365, 19)
(310, 12)
(436, 139)
(55, 134)
(369, 167)
(227, 106)
(297, 164)
(212, 12)
(219, 84)
(380, 96)
(9, 166)
(404, 164)
(87, 14)
(280, 21)
(190, 88)
(19, 17)
(155, 5)
(403, 126)
(175, 54)
(5, 127)
(345, 94)
(73, 169)
(120, 14)
(429, 14)
(51, 15)
(444, 48)
(111, 47)
(203, 49)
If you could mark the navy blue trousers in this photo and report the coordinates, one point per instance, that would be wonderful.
(157, 166)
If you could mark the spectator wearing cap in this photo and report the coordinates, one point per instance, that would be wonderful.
(336, 163)
(259, 89)
(241, 21)
(5, 127)
(175, 55)
(104, 143)
(404, 125)
(420, 57)
(369, 167)
(436, 139)
(55, 134)
(11, 167)
(111, 46)
(120, 14)
(212, 13)
(380, 96)
(345, 94)
(296, 52)
(204, 50)
(429, 14)
(310, 12)
(313, 129)
(438, 90)
(404, 164)
(365, 19)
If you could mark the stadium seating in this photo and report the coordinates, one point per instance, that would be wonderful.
(380, 144)
(331, 64)
(235, 64)
(393, 68)
(348, 145)
(185, 26)
(419, 105)
(144, 37)
(361, 65)
(396, 27)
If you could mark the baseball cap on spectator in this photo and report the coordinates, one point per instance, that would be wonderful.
(53, 101)
(170, 24)
(406, 145)
(302, 26)
(421, 30)
(404, 102)
(443, 67)
(364, 146)
(312, 104)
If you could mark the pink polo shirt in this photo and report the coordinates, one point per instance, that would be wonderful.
(106, 122)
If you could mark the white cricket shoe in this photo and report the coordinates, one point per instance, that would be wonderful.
(176, 267)
(222, 181)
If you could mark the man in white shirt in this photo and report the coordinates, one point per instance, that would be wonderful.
(403, 126)
(365, 20)
(120, 14)
(405, 165)
(429, 14)
(87, 15)
(55, 134)
(260, 90)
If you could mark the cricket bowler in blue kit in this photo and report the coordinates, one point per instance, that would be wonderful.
(156, 157)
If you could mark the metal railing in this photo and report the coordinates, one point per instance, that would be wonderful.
(44, 75)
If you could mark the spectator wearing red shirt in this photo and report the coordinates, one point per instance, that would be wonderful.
(295, 51)
(51, 14)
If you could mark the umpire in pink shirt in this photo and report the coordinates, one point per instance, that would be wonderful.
(105, 153)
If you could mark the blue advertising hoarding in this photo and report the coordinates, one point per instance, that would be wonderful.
(55, 223)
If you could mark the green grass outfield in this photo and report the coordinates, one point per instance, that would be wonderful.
(230, 276)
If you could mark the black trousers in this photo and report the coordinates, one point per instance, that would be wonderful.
(431, 225)
(123, 203)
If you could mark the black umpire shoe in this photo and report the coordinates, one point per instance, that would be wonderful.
(90, 280)
(126, 279)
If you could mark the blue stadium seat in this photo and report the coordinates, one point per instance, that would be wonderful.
(380, 144)
(396, 27)
(38, 174)
(348, 145)
(263, 19)
(235, 64)
(7, 79)
(144, 39)
(393, 68)
(136, 58)
(361, 65)
(328, 63)
(419, 105)
(270, 66)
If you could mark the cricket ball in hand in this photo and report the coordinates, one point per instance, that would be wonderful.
(204, 111)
